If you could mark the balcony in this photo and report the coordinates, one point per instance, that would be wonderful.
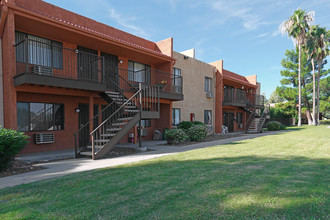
(234, 97)
(255, 100)
(53, 65)
(170, 85)
(240, 98)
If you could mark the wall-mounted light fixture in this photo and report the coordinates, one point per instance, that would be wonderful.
(120, 61)
(185, 57)
(77, 110)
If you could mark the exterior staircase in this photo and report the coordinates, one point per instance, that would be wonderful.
(257, 122)
(119, 117)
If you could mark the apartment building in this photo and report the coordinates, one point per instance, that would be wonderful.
(199, 89)
(72, 82)
(216, 96)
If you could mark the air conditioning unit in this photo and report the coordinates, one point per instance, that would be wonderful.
(42, 70)
(177, 89)
(44, 138)
(209, 95)
(144, 132)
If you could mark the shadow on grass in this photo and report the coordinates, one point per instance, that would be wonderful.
(294, 128)
(173, 187)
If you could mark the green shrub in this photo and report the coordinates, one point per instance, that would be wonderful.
(324, 122)
(197, 132)
(175, 135)
(185, 125)
(275, 126)
(11, 142)
(199, 123)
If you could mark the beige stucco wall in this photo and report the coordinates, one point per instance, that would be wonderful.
(252, 79)
(193, 72)
(259, 88)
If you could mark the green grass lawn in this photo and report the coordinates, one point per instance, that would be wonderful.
(283, 176)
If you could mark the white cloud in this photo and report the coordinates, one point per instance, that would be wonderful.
(172, 4)
(126, 22)
(262, 35)
(276, 32)
(235, 10)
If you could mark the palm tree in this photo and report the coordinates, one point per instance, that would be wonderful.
(322, 41)
(310, 47)
(296, 27)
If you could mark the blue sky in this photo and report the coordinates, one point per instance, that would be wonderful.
(243, 33)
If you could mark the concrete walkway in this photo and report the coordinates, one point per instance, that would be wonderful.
(65, 167)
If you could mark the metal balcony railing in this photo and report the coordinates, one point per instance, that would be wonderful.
(236, 97)
(167, 82)
(255, 100)
(36, 57)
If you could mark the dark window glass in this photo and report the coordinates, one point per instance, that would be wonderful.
(176, 81)
(176, 116)
(139, 72)
(59, 116)
(23, 116)
(208, 84)
(40, 116)
(39, 51)
(145, 123)
(208, 117)
(239, 117)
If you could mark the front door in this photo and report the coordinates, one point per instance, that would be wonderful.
(228, 120)
(110, 70)
(83, 118)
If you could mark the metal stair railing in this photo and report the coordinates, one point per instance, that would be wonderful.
(107, 129)
(150, 93)
(250, 119)
(263, 118)
(80, 131)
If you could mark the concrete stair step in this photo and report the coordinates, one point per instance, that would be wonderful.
(114, 96)
(108, 135)
(125, 119)
(101, 141)
(112, 92)
(130, 106)
(119, 123)
(128, 110)
(120, 100)
(113, 129)
(97, 148)
(86, 153)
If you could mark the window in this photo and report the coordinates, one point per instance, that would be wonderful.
(176, 82)
(139, 72)
(40, 116)
(239, 119)
(40, 51)
(145, 123)
(208, 117)
(208, 84)
(176, 116)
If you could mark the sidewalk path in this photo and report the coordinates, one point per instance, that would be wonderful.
(65, 167)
